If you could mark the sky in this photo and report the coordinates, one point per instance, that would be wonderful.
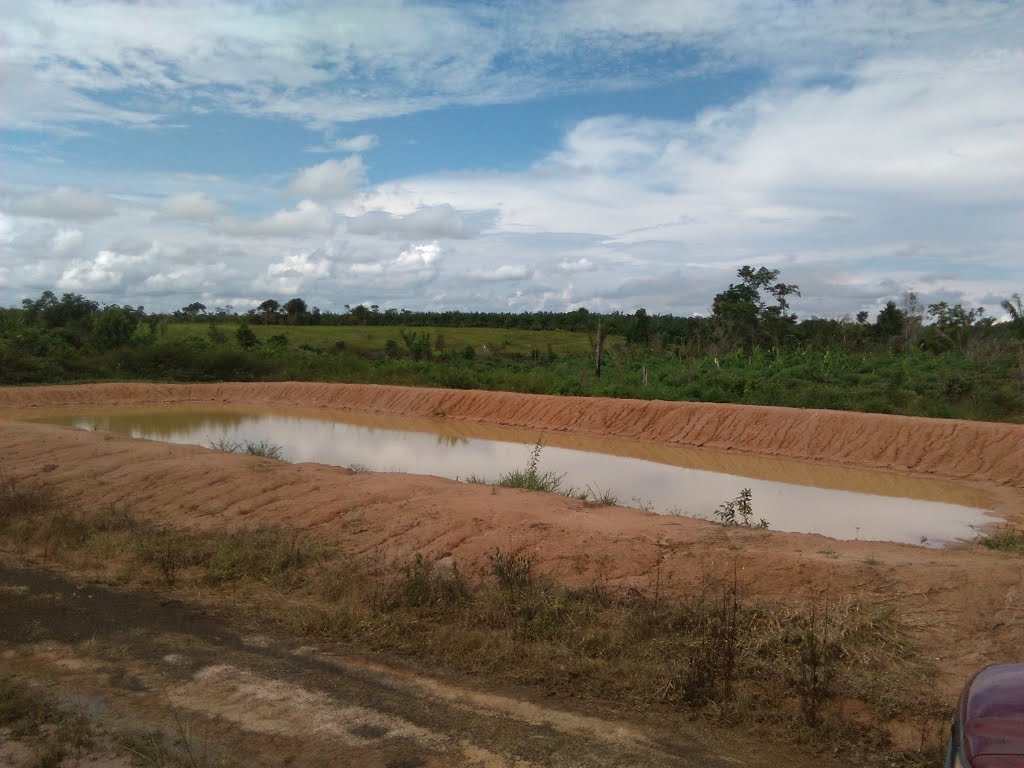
(511, 156)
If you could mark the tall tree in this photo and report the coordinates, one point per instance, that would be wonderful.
(744, 316)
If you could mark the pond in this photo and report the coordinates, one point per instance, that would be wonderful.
(790, 495)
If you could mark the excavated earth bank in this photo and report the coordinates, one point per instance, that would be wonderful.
(964, 605)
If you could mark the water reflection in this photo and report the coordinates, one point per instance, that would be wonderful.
(888, 512)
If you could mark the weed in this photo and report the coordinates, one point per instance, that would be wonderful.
(872, 560)
(739, 511)
(512, 572)
(531, 478)
(601, 498)
(1006, 539)
(423, 585)
(646, 506)
(19, 500)
(263, 448)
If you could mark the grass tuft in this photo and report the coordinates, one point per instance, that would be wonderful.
(262, 448)
(1006, 539)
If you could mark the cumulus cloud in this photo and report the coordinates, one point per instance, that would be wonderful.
(66, 241)
(190, 206)
(331, 179)
(502, 273)
(431, 221)
(295, 273)
(876, 148)
(62, 203)
(361, 143)
(307, 218)
(107, 271)
(581, 264)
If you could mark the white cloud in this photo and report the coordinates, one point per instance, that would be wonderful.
(502, 273)
(66, 241)
(581, 264)
(294, 274)
(875, 143)
(306, 219)
(343, 62)
(105, 273)
(190, 206)
(62, 203)
(361, 143)
(330, 180)
(431, 221)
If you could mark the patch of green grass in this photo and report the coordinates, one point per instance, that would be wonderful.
(1007, 539)
(373, 339)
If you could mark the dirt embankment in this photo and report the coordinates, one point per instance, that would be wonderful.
(965, 606)
(962, 450)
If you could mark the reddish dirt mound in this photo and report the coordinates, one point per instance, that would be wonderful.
(965, 606)
(990, 453)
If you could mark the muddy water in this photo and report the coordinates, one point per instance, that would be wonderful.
(791, 496)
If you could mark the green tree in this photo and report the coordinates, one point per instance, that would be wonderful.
(1014, 307)
(296, 311)
(640, 330)
(270, 311)
(744, 316)
(113, 328)
(890, 321)
(245, 337)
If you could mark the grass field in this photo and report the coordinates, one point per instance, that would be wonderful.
(374, 339)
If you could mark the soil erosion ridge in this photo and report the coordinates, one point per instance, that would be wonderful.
(963, 606)
(975, 451)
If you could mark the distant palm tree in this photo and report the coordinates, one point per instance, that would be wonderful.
(1013, 307)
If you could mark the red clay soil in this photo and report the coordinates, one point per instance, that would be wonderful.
(948, 448)
(965, 605)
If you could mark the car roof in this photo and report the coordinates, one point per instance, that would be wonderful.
(992, 712)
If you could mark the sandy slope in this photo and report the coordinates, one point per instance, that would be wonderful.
(980, 451)
(966, 605)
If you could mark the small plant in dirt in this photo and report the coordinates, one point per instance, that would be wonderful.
(531, 478)
(20, 499)
(262, 448)
(600, 498)
(512, 572)
(1006, 539)
(739, 512)
(424, 585)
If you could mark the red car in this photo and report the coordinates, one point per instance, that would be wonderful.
(988, 728)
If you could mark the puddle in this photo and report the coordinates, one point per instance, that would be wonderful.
(790, 495)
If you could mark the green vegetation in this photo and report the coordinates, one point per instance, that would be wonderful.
(1006, 539)
(780, 668)
(34, 718)
(943, 361)
(262, 448)
(739, 511)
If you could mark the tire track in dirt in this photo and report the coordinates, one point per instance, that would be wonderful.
(132, 655)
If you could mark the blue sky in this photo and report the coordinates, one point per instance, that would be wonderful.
(511, 156)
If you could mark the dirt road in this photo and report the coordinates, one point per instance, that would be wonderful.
(135, 664)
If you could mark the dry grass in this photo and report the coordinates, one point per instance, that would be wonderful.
(782, 669)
